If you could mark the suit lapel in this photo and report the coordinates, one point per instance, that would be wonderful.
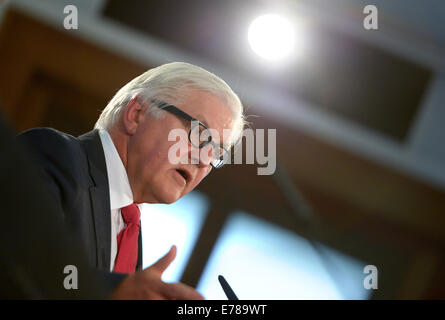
(100, 196)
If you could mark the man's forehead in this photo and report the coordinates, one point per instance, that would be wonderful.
(212, 116)
(208, 109)
(215, 122)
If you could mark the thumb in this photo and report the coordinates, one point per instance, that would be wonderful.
(162, 264)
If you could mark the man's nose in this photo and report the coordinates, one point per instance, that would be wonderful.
(202, 156)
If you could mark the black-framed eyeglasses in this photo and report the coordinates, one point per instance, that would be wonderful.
(199, 134)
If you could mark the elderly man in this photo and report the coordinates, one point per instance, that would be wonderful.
(98, 179)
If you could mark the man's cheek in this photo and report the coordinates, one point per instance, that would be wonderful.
(199, 178)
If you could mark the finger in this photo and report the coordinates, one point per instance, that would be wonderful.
(180, 291)
(162, 264)
(155, 296)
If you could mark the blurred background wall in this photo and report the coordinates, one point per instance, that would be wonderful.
(359, 116)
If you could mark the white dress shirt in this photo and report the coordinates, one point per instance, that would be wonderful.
(120, 190)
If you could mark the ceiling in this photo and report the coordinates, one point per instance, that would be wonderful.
(360, 90)
(338, 73)
(420, 18)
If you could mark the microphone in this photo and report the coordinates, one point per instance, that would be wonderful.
(227, 289)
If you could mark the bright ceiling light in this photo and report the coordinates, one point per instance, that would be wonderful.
(272, 36)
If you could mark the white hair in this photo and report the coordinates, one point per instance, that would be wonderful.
(168, 82)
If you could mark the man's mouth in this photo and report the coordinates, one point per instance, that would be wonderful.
(185, 174)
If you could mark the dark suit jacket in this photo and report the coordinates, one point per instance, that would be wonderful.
(35, 247)
(76, 175)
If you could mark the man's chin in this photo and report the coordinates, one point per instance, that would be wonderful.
(168, 196)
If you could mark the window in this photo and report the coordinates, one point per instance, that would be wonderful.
(174, 224)
(263, 261)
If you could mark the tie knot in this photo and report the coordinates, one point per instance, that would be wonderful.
(131, 214)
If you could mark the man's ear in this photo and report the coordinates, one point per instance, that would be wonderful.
(132, 116)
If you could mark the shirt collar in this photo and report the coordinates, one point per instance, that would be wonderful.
(120, 189)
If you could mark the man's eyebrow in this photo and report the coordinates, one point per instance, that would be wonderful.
(202, 119)
(199, 117)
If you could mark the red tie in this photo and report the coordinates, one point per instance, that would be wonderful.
(127, 240)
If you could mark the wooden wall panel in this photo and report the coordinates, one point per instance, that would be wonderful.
(30, 50)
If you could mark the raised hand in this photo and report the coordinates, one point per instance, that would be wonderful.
(147, 284)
